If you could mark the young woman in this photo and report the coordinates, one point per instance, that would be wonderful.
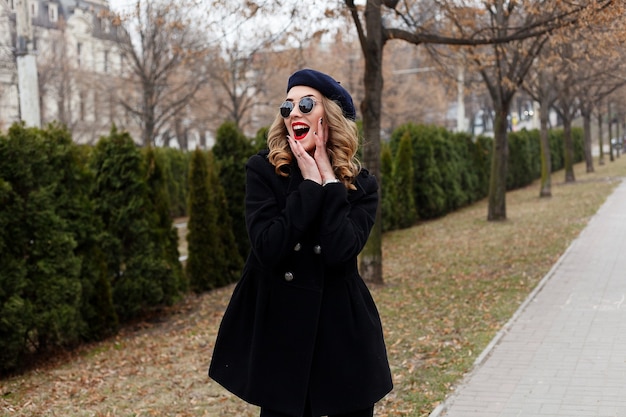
(302, 335)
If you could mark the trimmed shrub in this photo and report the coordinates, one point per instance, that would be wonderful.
(230, 262)
(15, 310)
(481, 161)
(524, 163)
(175, 166)
(202, 239)
(213, 259)
(76, 181)
(388, 197)
(430, 198)
(469, 174)
(259, 142)
(40, 287)
(449, 164)
(167, 234)
(141, 277)
(231, 151)
(555, 139)
(578, 137)
(406, 212)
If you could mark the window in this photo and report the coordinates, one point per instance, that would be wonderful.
(34, 9)
(81, 103)
(106, 61)
(95, 105)
(53, 12)
(79, 47)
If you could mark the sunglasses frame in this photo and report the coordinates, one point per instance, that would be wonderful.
(287, 107)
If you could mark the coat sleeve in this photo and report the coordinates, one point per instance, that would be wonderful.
(275, 227)
(348, 218)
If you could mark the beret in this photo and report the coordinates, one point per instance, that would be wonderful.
(326, 85)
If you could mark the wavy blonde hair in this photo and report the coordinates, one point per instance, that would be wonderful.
(342, 144)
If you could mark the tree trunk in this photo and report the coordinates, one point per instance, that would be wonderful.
(568, 149)
(546, 161)
(148, 111)
(618, 139)
(600, 140)
(499, 160)
(371, 265)
(610, 119)
(587, 131)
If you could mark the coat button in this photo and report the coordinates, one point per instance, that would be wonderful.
(288, 276)
(317, 249)
(297, 247)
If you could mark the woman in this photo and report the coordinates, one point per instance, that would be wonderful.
(302, 335)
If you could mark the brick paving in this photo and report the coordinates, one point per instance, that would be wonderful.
(564, 351)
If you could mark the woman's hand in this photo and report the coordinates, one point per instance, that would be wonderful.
(317, 167)
(306, 163)
(321, 154)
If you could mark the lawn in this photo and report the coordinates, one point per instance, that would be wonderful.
(450, 285)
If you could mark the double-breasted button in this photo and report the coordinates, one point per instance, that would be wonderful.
(288, 276)
(297, 247)
(317, 249)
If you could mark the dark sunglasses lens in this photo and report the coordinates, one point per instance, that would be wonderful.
(306, 105)
(286, 108)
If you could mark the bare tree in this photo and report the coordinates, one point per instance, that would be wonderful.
(57, 72)
(454, 23)
(540, 86)
(72, 91)
(242, 78)
(166, 53)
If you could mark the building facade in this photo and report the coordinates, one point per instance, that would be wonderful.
(80, 65)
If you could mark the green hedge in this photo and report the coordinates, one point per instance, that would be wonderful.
(48, 261)
(213, 260)
(175, 166)
(451, 170)
(86, 234)
(86, 238)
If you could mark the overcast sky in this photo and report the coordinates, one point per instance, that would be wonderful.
(233, 28)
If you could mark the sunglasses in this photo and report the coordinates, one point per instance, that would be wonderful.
(305, 106)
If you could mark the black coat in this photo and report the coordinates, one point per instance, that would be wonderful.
(301, 321)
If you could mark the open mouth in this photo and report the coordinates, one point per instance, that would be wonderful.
(300, 131)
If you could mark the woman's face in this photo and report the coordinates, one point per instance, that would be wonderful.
(301, 126)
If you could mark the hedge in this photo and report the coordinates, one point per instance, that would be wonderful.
(86, 234)
(86, 240)
(451, 170)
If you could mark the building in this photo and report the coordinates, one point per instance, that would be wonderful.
(79, 61)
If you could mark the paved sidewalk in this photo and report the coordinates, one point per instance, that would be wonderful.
(564, 351)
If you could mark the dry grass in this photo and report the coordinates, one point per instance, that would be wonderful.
(450, 286)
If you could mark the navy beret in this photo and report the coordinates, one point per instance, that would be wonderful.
(326, 85)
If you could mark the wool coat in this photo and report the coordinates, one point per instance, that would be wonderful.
(301, 324)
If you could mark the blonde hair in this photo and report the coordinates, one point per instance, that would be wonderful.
(342, 144)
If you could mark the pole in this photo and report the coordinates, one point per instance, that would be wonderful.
(27, 80)
(460, 109)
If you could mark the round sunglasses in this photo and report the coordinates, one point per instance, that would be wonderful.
(305, 105)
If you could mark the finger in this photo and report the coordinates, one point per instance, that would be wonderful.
(296, 148)
(322, 130)
(292, 145)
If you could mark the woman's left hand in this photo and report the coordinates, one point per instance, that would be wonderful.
(321, 154)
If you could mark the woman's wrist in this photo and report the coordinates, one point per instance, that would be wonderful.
(330, 181)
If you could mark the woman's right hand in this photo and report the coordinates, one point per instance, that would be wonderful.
(306, 163)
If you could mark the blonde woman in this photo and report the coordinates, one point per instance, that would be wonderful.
(301, 336)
